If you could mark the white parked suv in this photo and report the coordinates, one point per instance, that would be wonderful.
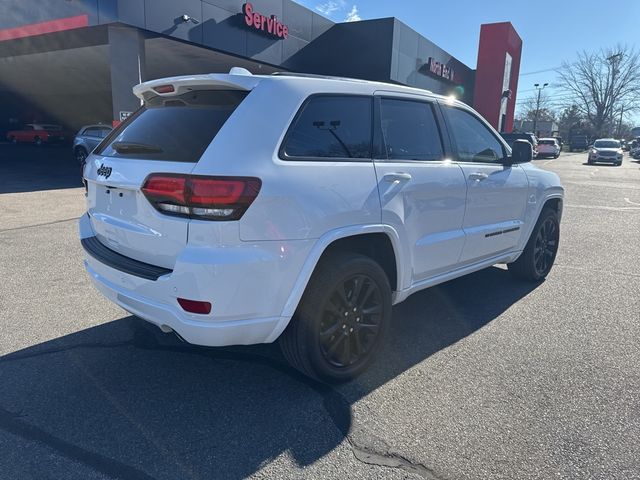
(548, 147)
(239, 209)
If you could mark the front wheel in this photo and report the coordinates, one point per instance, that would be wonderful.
(535, 262)
(340, 323)
(38, 141)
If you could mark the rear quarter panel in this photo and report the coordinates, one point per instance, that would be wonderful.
(298, 199)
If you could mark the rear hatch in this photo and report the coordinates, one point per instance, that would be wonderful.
(168, 134)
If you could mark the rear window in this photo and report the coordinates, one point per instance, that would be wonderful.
(547, 142)
(511, 137)
(176, 128)
(331, 127)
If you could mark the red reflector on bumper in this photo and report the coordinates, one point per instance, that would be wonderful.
(195, 306)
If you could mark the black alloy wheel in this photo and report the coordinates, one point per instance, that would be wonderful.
(546, 246)
(350, 323)
(537, 258)
(342, 319)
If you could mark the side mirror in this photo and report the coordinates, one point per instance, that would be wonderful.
(521, 152)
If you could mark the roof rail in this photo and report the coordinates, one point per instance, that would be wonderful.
(345, 79)
(314, 75)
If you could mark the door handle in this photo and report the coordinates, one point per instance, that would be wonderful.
(397, 177)
(478, 176)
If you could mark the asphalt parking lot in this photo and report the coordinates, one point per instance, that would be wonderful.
(482, 378)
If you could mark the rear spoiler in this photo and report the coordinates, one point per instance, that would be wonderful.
(178, 85)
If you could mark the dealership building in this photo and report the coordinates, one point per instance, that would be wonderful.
(74, 62)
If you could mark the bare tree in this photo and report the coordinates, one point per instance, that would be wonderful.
(570, 119)
(529, 106)
(603, 85)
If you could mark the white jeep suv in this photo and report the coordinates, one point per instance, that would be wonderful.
(239, 209)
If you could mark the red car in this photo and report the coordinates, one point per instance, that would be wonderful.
(38, 133)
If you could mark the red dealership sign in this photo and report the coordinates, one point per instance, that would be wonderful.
(269, 25)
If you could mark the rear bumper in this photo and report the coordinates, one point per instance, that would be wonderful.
(248, 286)
(213, 334)
(121, 263)
(548, 152)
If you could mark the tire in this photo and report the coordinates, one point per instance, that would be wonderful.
(535, 262)
(556, 155)
(38, 141)
(81, 155)
(333, 337)
(619, 164)
(13, 140)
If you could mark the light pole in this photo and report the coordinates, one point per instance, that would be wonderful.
(620, 122)
(535, 116)
(614, 60)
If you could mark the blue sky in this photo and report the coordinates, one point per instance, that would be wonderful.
(552, 31)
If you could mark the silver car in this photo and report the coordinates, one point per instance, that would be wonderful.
(88, 138)
(605, 150)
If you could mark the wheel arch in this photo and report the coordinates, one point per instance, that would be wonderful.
(555, 202)
(375, 245)
(376, 241)
(553, 198)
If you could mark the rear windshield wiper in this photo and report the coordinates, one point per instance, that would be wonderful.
(130, 147)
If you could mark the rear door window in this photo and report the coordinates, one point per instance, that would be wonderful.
(174, 128)
(409, 130)
(331, 127)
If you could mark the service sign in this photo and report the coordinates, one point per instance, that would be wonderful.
(267, 25)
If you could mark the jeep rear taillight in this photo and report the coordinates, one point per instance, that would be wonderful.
(201, 197)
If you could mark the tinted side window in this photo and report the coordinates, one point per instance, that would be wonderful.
(474, 141)
(92, 132)
(409, 130)
(331, 126)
